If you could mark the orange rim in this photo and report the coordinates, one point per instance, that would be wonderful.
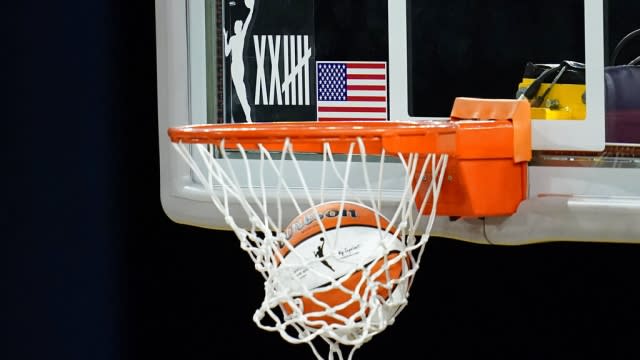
(393, 137)
(422, 137)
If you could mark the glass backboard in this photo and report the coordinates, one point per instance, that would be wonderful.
(236, 61)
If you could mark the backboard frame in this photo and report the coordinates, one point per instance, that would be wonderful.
(577, 135)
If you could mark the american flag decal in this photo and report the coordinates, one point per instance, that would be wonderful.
(351, 91)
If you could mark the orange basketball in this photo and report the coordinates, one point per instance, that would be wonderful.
(332, 243)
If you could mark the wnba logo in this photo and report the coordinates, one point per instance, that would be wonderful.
(293, 53)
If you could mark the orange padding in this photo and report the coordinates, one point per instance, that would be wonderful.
(517, 112)
(487, 174)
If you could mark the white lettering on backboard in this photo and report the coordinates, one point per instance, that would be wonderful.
(293, 52)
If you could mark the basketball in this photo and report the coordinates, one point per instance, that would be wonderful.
(338, 260)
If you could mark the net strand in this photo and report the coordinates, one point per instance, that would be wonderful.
(365, 172)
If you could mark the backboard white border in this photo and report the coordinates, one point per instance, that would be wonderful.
(180, 197)
(577, 135)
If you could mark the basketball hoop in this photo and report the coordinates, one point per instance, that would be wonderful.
(338, 261)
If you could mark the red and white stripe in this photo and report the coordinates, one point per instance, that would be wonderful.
(366, 95)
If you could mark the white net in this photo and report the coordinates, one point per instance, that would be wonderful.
(337, 254)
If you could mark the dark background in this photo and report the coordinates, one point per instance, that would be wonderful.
(93, 269)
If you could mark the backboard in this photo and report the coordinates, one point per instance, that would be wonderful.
(234, 61)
